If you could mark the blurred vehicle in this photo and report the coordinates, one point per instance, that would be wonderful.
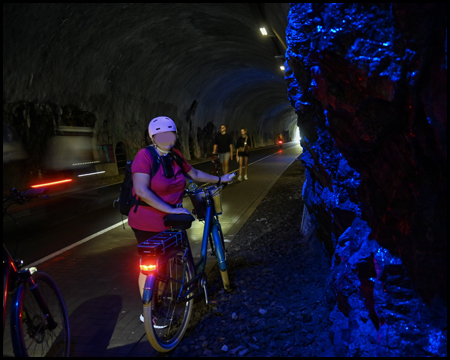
(13, 148)
(69, 157)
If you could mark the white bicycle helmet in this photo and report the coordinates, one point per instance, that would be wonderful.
(161, 124)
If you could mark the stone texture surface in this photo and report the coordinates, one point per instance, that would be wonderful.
(201, 64)
(280, 303)
(369, 85)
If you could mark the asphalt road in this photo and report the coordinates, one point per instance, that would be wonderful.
(64, 219)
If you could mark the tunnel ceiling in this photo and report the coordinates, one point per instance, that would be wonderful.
(130, 62)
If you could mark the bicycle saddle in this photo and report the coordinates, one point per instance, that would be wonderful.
(179, 221)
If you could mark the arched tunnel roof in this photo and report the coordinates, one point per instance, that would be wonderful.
(132, 62)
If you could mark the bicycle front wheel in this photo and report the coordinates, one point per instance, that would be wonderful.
(166, 316)
(33, 334)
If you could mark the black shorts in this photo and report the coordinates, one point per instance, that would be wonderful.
(142, 235)
(242, 154)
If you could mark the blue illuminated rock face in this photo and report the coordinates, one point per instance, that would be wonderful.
(369, 85)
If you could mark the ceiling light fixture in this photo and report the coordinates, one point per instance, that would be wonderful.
(263, 31)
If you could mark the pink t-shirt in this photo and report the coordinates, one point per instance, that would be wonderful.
(171, 190)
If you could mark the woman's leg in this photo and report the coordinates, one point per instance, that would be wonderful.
(142, 236)
(141, 283)
(246, 165)
(240, 166)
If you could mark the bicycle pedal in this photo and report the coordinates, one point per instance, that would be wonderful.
(213, 302)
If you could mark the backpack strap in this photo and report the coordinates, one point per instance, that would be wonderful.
(178, 160)
(156, 161)
(155, 166)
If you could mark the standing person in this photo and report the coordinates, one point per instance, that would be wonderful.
(223, 145)
(242, 149)
(162, 194)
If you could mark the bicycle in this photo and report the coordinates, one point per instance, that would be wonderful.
(173, 280)
(38, 315)
(216, 165)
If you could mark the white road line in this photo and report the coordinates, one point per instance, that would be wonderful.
(59, 252)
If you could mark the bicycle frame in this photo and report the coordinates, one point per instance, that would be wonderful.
(18, 281)
(212, 228)
(9, 269)
(12, 275)
(217, 165)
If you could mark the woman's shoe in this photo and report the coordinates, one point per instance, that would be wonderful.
(240, 178)
(245, 177)
(141, 317)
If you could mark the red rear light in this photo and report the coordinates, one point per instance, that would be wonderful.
(280, 141)
(150, 267)
(147, 265)
(51, 183)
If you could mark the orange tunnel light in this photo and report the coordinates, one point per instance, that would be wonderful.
(51, 183)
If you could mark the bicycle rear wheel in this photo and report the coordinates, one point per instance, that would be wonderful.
(166, 318)
(31, 331)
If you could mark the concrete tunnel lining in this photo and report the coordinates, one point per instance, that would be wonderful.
(131, 62)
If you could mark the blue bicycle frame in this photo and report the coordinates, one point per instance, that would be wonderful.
(212, 228)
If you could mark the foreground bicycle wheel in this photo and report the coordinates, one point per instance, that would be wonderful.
(33, 335)
(165, 318)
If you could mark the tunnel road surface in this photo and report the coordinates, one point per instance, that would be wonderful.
(47, 226)
(98, 279)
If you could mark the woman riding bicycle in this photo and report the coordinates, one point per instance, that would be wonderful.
(163, 194)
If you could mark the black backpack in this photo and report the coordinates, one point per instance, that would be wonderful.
(126, 199)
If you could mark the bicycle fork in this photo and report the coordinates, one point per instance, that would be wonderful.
(219, 249)
(47, 322)
(34, 288)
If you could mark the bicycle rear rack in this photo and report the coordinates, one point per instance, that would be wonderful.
(159, 244)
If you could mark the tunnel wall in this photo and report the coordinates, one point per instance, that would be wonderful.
(369, 86)
(200, 64)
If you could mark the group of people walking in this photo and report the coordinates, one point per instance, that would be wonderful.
(223, 146)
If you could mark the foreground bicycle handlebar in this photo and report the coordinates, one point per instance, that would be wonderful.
(21, 198)
(210, 187)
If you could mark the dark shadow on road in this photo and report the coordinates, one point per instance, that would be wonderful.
(92, 325)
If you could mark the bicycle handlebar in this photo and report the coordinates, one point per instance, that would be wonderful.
(209, 188)
(26, 195)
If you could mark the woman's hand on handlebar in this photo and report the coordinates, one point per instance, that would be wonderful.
(228, 177)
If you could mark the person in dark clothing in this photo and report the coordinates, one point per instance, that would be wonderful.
(242, 150)
(223, 146)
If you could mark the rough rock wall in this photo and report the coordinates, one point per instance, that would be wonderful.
(369, 85)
